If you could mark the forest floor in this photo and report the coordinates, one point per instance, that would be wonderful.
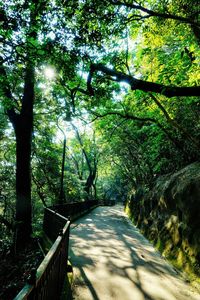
(15, 269)
(112, 261)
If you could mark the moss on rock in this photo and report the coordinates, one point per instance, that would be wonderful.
(169, 216)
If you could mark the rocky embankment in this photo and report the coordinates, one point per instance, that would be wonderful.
(169, 216)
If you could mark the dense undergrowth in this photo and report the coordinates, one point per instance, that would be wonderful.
(15, 269)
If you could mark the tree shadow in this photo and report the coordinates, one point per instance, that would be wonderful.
(105, 237)
(88, 283)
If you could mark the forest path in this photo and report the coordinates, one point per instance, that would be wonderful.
(113, 261)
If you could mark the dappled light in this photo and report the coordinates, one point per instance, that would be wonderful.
(112, 260)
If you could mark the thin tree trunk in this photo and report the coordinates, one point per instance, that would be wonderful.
(62, 192)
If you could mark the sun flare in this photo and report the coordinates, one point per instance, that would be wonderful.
(49, 73)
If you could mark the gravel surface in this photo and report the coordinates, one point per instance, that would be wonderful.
(113, 261)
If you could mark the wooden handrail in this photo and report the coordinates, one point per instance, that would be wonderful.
(51, 272)
(47, 281)
(73, 209)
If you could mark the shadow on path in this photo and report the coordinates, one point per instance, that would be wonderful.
(112, 260)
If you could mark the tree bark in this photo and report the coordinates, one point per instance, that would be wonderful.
(23, 183)
(23, 132)
(23, 127)
(62, 198)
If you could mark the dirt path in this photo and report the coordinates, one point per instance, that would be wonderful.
(113, 261)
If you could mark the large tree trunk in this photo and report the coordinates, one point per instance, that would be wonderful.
(22, 121)
(23, 133)
(23, 126)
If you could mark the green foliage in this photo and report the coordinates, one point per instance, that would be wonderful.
(138, 136)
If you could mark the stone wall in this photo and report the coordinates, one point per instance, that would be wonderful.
(169, 216)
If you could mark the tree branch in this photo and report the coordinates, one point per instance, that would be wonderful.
(125, 116)
(141, 119)
(176, 125)
(138, 84)
(151, 13)
(82, 147)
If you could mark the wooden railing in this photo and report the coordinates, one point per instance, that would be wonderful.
(74, 209)
(53, 222)
(46, 282)
(107, 202)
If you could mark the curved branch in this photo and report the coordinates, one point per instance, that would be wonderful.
(138, 84)
(151, 13)
(125, 116)
(57, 123)
(82, 147)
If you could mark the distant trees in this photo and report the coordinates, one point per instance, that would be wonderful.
(90, 154)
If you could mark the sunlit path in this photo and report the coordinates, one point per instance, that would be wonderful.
(112, 260)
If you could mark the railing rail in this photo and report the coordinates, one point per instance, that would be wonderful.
(53, 222)
(73, 209)
(47, 282)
